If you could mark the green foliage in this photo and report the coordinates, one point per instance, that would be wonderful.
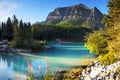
(37, 46)
(31, 76)
(6, 30)
(48, 32)
(48, 76)
(107, 59)
(52, 22)
(97, 42)
(9, 27)
(71, 23)
(113, 18)
(106, 43)
(88, 25)
(22, 34)
(107, 21)
(16, 29)
(11, 43)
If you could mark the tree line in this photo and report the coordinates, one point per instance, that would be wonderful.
(50, 32)
(14, 29)
(6, 30)
(24, 35)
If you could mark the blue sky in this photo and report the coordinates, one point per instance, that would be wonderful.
(37, 10)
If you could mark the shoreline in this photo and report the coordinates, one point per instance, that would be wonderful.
(93, 71)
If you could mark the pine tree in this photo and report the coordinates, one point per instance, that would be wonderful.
(4, 31)
(113, 17)
(29, 33)
(21, 30)
(0, 32)
(9, 27)
(16, 31)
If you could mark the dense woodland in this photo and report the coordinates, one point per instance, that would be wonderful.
(40, 32)
(21, 34)
(106, 42)
(50, 33)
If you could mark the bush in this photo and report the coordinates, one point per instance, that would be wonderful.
(97, 42)
(107, 59)
(11, 43)
(37, 46)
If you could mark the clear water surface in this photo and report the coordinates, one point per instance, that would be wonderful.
(62, 56)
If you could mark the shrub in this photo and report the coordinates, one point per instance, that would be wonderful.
(37, 46)
(107, 59)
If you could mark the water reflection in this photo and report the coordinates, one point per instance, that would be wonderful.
(16, 66)
(63, 56)
(12, 66)
(4, 70)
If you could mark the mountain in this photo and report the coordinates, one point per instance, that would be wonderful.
(75, 16)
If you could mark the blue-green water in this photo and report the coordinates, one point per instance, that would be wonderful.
(62, 56)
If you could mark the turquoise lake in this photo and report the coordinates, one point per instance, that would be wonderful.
(63, 56)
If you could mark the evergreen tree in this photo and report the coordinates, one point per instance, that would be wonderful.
(29, 33)
(9, 28)
(21, 30)
(0, 32)
(111, 35)
(22, 34)
(114, 11)
(16, 32)
(4, 31)
(113, 18)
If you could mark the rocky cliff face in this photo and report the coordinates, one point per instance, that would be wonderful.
(77, 15)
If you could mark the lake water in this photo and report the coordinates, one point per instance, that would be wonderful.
(62, 56)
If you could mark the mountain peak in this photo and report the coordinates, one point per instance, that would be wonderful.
(81, 5)
(96, 9)
(76, 15)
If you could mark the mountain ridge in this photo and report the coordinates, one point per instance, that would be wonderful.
(77, 15)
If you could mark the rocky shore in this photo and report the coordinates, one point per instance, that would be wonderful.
(14, 50)
(96, 71)
(8, 50)
(93, 71)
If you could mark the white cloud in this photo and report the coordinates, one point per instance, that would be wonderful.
(7, 9)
